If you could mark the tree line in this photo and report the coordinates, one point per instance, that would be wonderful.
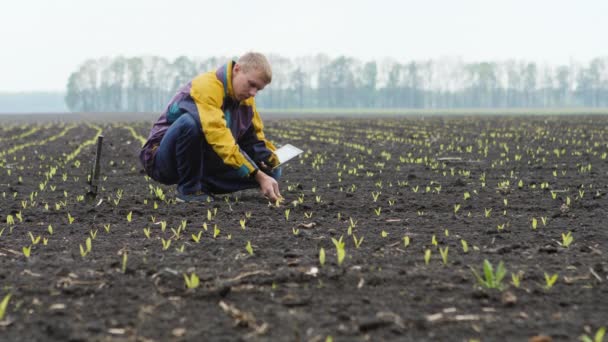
(145, 84)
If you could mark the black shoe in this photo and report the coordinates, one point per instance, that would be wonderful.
(199, 197)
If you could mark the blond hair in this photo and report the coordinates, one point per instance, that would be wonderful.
(256, 61)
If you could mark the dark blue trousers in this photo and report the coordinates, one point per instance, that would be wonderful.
(185, 158)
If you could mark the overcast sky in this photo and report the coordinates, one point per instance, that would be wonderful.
(43, 41)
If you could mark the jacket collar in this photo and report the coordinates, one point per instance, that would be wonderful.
(224, 74)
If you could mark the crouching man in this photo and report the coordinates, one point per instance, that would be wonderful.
(210, 140)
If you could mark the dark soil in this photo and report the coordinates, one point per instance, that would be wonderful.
(418, 167)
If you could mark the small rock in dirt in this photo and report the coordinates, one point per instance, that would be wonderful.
(372, 323)
(57, 306)
(540, 338)
(548, 249)
(178, 332)
(508, 298)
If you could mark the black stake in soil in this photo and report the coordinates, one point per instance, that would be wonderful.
(94, 176)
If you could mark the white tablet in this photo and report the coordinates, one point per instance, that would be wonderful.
(287, 152)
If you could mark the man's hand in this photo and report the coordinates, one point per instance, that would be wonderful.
(268, 186)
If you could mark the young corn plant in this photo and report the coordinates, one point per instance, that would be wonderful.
(406, 241)
(125, 257)
(444, 254)
(87, 249)
(465, 246)
(427, 256)
(340, 249)
(197, 237)
(492, 279)
(516, 279)
(599, 335)
(358, 242)
(249, 248)
(192, 281)
(4, 305)
(567, 240)
(27, 251)
(147, 232)
(322, 256)
(550, 280)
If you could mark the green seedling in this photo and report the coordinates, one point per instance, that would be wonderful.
(534, 223)
(550, 280)
(391, 203)
(249, 248)
(465, 246)
(183, 225)
(295, 231)
(406, 241)
(357, 242)
(192, 281)
(166, 243)
(129, 216)
(322, 256)
(163, 226)
(543, 219)
(318, 199)
(216, 231)
(197, 237)
(209, 215)
(242, 223)
(50, 229)
(516, 279)
(567, 239)
(287, 214)
(10, 220)
(466, 195)
(377, 211)
(125, 257)
(180, 249)
(176, 233)
(434, 240)
(106, 227)
(248, 214)
(308, 214)
(35, 240)
(93, 233)
(340, 249)
(4, 305)
(427, 256)
(45, 241)
(375, 195)
(27, 251)
(456, 208)
(446, 233)
(2, 231)
(70, 219)
(599, 335)
(491, 280)
(384, 234)
(444, 254)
